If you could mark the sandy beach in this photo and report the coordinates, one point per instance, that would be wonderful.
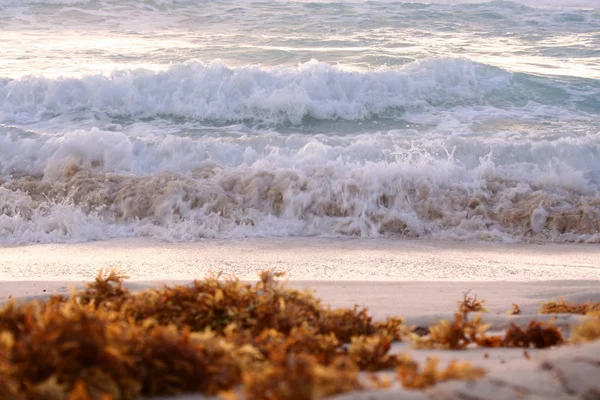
(319, 259)
(419, 280)
(411, 278)
(396, 155)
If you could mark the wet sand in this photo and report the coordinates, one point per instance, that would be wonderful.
(305, 259)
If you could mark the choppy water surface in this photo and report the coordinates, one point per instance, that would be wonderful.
(190, 119)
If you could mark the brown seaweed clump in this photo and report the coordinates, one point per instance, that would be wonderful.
(560, 306)
(8, 386)
(299, 377)
(227, 338)
(471, 304)
(216, 336)
(516, 310)
(537, 334)
(587, 331)
(413, 377)
(462, 332)
(452, 335)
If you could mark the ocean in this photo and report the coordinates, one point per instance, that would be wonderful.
(181, 120)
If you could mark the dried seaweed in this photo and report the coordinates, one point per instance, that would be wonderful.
(454, 335)
(300, 377)
(107, 342)
(446, 334)
(220, 336)
(413, 377)
(106, 290)
(462, 332)
(561, 306)
(471, 304)
(8, 385)
(370, 353)
(59, 345)
(537, 334)
(394, 328)
(586, 331)
(516, 310)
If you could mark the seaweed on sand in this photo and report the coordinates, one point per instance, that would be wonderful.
(8, 386)
(451, 335)
(586, 331)
(105, 342)
(414, 377)
(300, 377)
(561, 306)
(516, 310)
(471, 304)
(461, 332)
(223, 337)
(537, 334)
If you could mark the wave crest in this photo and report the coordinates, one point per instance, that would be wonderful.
(222, 94)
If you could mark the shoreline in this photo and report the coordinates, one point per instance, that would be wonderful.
(420, 280)
(312, 259)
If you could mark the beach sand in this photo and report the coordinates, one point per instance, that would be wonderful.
(305, 259)
(419, 280)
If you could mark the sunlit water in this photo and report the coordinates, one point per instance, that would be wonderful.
(182, 120)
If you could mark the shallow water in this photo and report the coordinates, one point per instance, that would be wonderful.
(183, 120)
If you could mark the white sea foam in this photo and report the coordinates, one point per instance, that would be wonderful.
(219, 93)
(121, 152)
(98, 184)
(317, 90)
(149, 160)
(502, 145)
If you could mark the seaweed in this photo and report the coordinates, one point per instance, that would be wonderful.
(220, 336)
(560, 306)
(212, 336)
(516, 310)
(8, 385)
(471, 304)
(300, 377)
(586, 331)
(451, 335)
(414, 377)
(461, 332)
(107, 287)
(371, 353)
(537, 334)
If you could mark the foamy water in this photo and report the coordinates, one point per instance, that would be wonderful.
(181, 121)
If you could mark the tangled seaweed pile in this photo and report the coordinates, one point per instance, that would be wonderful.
(462, 332)
(561, 306)
(220, 337)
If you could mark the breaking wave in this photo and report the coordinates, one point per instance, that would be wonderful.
(59, 192)
(288, 95)
(139, 163)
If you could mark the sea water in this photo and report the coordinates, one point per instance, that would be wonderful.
(189, 119)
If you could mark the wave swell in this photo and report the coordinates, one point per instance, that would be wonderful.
(287, 95)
